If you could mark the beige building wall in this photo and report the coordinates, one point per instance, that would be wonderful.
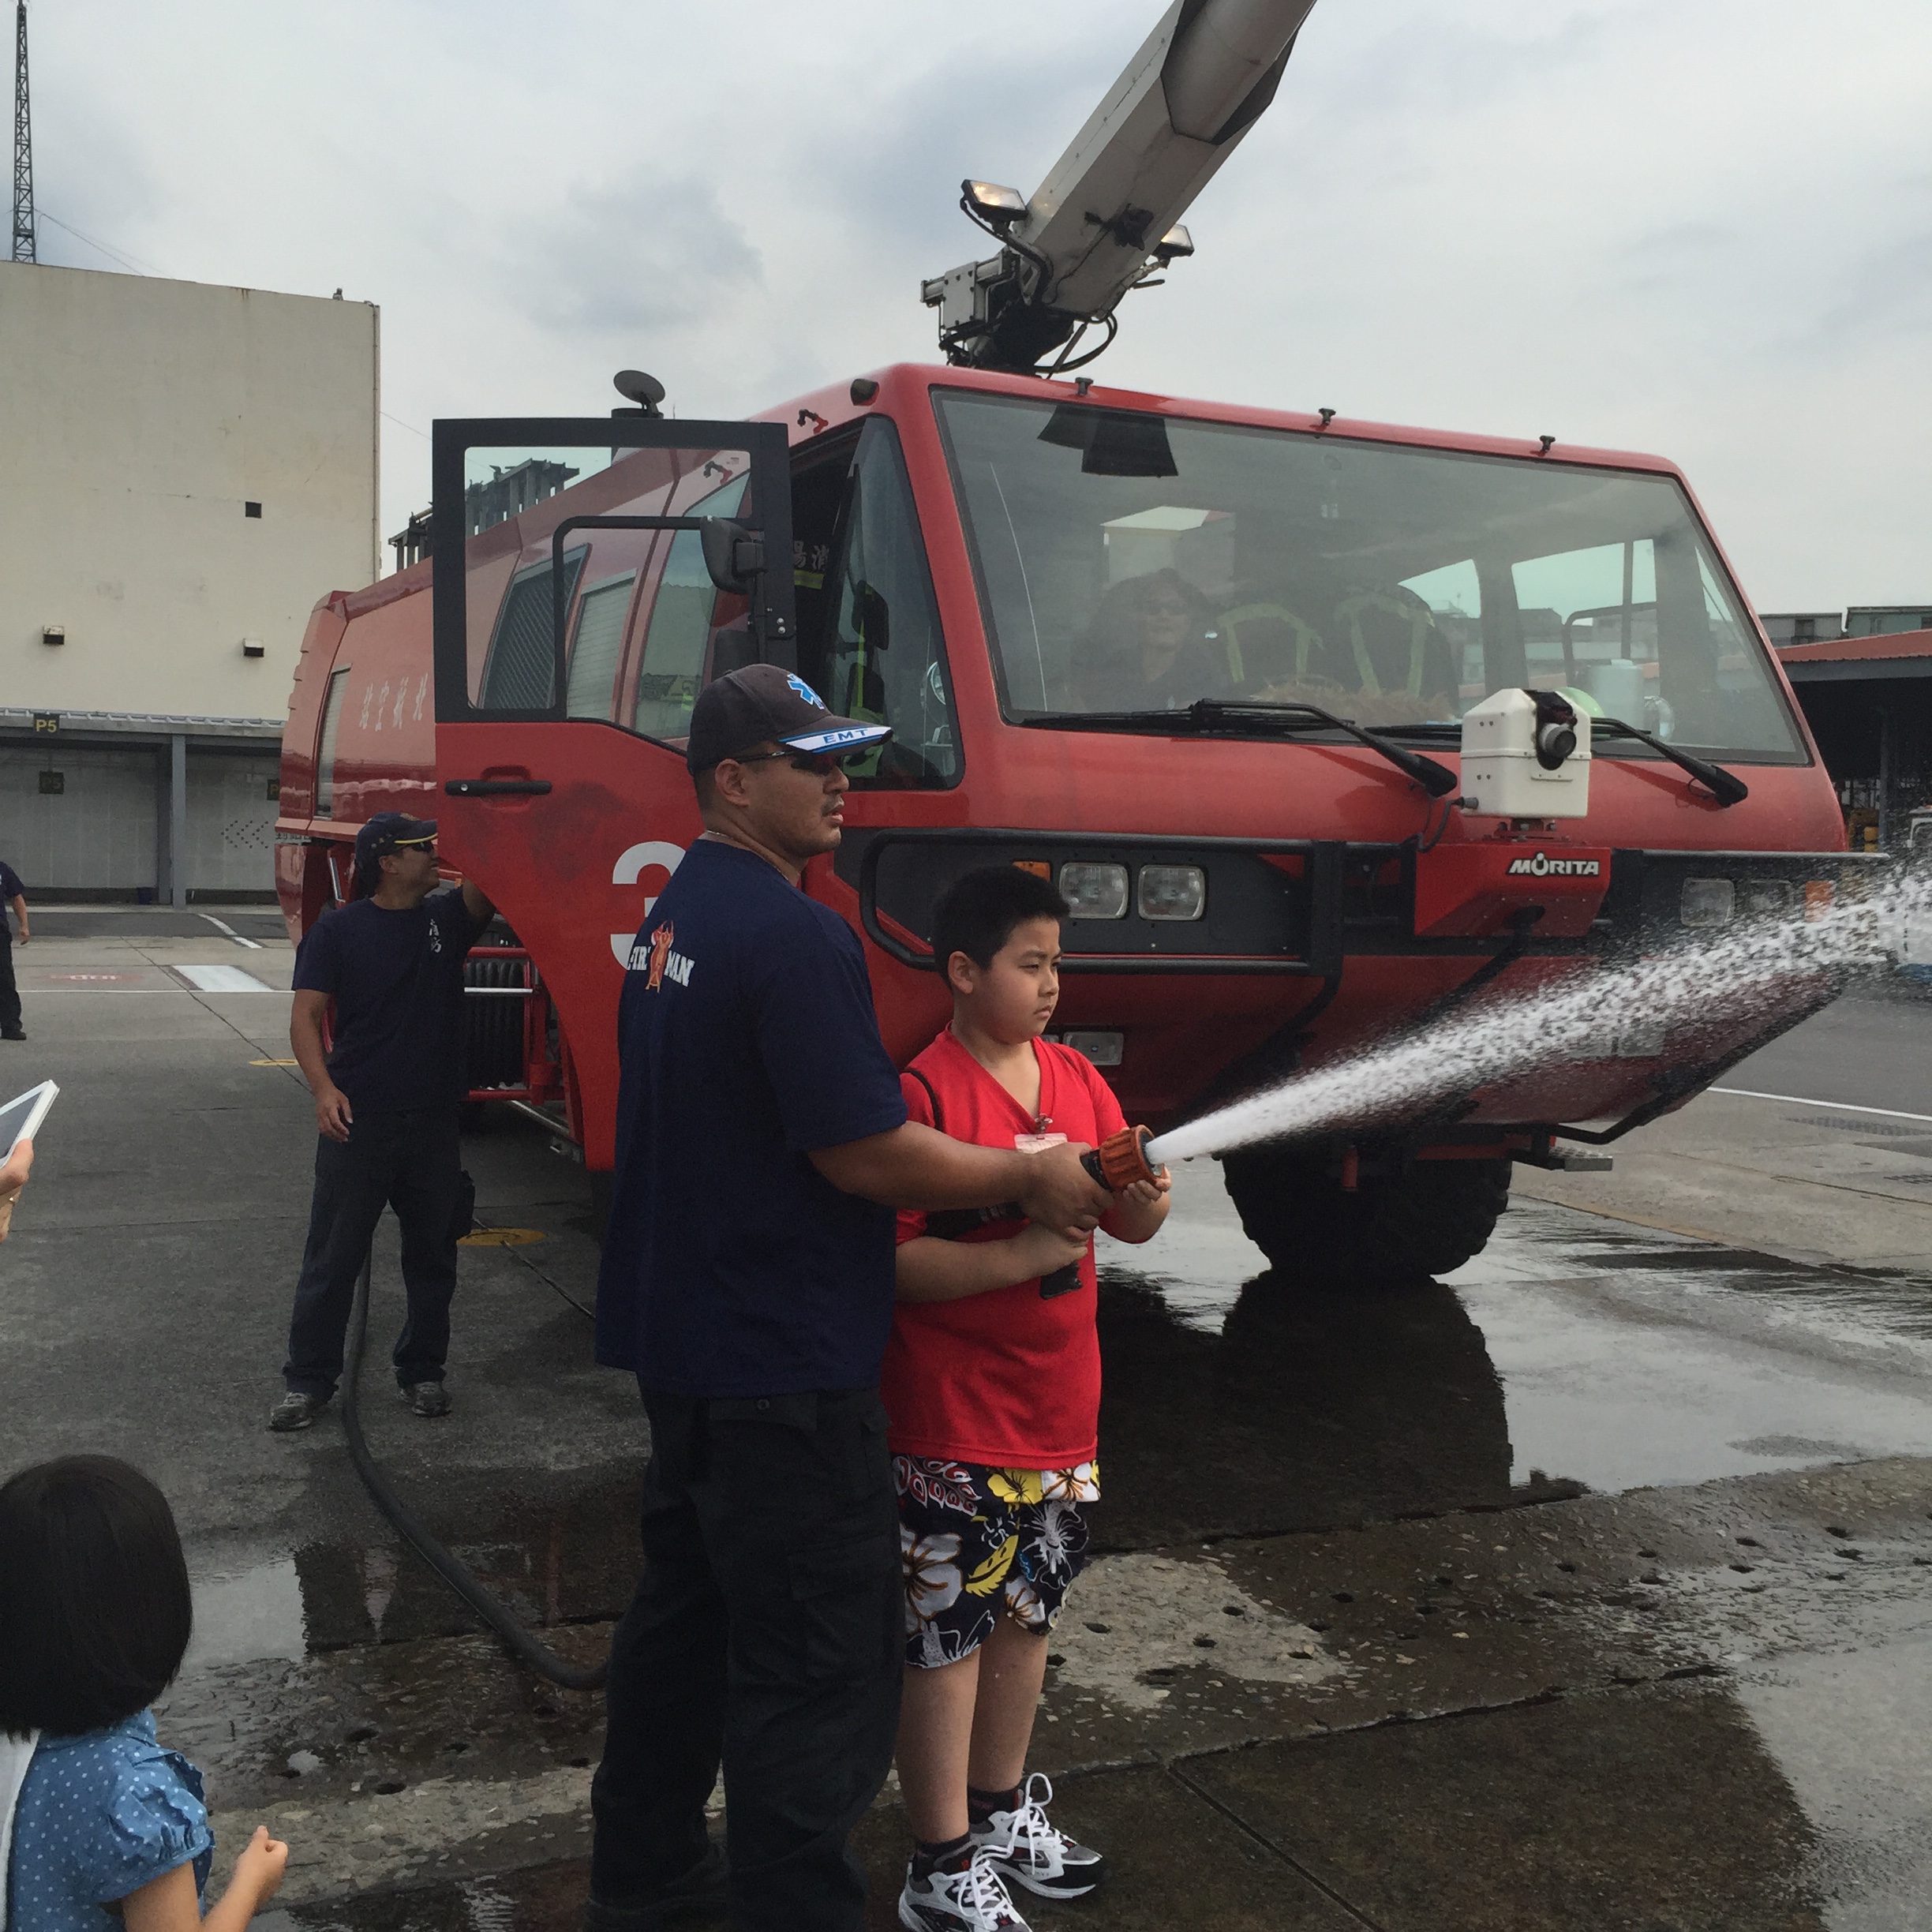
(139, 418)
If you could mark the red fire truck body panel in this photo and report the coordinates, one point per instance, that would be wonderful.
(574, 872)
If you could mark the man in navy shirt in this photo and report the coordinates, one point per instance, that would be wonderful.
(14, 894)
(387, 1099)
(762, 1144)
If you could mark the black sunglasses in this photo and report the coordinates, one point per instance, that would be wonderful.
(818, 764)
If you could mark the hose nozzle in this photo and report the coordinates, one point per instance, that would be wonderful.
(1120, 1159)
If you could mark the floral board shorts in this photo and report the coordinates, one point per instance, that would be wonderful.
(976, 1541)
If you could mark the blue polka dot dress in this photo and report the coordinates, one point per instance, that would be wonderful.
(99, 1816)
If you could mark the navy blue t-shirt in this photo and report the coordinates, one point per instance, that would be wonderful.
(745, 1037)
(10, 889)
(396, 979)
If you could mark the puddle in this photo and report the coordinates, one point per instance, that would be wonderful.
(573, 1561)
(1609, 1357)
(1617, 1398)
(548, 1899)
(1237, 1403)
(1848, 1733)
(254, 1612)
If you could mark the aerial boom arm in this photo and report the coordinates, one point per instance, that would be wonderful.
(1107, 208)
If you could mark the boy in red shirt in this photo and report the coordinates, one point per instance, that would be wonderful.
(992, 1386)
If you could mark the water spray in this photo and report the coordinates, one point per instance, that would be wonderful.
(1707, 988)
(1716, 989)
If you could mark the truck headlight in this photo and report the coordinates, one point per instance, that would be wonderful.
(1707, 902)
(1768, 898)
(1172, 892)
(1094, 892)
(1103, 1046)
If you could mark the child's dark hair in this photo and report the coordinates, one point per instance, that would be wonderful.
(95, 1610)
(978, 911)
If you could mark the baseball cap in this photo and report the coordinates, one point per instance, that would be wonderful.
(386, 832)
(744, 708)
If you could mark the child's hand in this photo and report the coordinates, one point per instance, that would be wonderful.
(259, 1868)
(1147, 1193)
(1044, 1249)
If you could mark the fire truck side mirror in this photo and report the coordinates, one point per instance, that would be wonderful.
(733, 555)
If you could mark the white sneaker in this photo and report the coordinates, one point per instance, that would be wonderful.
(1026, 1849)
(972, 1900)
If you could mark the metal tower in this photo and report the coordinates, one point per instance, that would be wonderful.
(23, 144)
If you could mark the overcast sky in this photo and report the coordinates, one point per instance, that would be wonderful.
(1703, 227)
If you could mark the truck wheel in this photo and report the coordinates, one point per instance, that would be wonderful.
(1428, 1221)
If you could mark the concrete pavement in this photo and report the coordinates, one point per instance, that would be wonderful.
(1592, 1587)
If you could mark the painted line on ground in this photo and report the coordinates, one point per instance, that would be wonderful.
(1831, 1106)
(219, 979)
(254, 946)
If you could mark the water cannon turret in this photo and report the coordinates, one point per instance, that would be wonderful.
(1526, 754)
(1109, 211)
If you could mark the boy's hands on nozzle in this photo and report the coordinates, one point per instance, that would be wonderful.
(1045, 1249)
(1056, 1192)
(1145, 1193)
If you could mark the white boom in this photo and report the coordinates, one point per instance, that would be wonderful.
(1107, 210)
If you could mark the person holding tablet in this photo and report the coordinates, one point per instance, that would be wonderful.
(13, 1172)
(19, 1120)
(387, 1097)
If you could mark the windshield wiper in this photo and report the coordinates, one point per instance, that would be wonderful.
(1207, 715)
(1725, 787)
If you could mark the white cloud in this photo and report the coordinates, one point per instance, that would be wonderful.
(1703, 227)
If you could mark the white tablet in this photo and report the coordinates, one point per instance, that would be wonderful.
(20, 1120)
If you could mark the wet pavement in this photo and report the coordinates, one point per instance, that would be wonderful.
(1590, 1587)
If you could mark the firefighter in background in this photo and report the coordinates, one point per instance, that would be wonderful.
(1150, 646)
(14, 894)
(387, 1096)
(762, 1144)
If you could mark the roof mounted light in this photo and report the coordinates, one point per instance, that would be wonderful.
(999, 207)
(1176, 243)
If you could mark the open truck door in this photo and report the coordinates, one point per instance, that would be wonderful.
(591, 575)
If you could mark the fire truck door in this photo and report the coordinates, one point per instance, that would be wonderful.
(647, 556)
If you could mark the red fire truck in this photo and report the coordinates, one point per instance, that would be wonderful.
(1206, 665)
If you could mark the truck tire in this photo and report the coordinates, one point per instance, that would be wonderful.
(1427, 1221)
(493, 1029)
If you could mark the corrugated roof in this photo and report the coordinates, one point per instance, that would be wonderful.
(1850, 650)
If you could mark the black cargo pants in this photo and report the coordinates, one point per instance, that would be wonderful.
(411, 1162)
(765, 1634)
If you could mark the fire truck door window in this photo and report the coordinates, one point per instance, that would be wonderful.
(325, 746)
(589, 691)
(879, 653)
(1130, 564)
(683, 617)
(520, 672)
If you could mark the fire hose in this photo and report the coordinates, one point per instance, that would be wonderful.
(527, 1649)
(1119, 1162)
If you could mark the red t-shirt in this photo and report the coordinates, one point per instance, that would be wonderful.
(1006, 1378)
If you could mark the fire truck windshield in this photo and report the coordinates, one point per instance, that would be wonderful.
(1131, 564)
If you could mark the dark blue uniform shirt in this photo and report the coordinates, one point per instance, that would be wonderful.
(745, 1037)
(396, 979)
(10, 889)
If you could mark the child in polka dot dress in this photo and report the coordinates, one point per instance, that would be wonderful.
(97, 1820)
